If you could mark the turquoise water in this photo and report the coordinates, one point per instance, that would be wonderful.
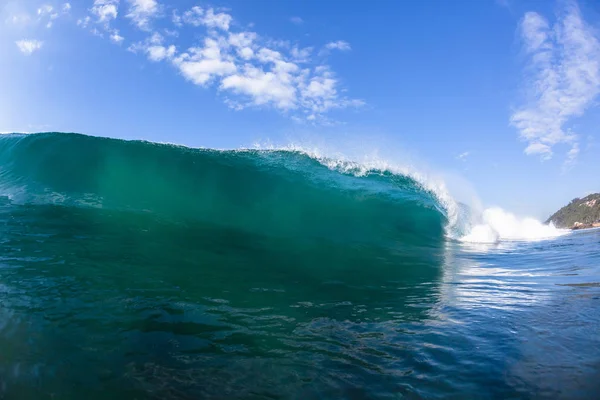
(131, 270)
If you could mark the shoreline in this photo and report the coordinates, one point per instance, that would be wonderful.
(583, 227)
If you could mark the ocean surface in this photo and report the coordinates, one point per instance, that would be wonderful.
(133, 270)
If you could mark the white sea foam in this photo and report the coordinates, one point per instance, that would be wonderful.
(496, 224)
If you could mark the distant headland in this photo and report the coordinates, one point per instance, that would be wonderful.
(579, 213)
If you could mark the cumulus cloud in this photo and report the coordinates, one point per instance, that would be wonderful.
(217, 20)
(28, 47)
(246, 69)
(297, 20)
(563, 75)
(159, 53)
(201, 65)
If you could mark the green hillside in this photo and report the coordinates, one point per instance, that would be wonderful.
(585, 211)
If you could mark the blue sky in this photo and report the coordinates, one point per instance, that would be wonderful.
(498, 97)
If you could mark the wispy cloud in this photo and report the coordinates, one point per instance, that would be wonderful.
(463, 156)
(338, 45)
(100, 20)
(46, 9)
(198, 16)
(45, 14)
(563, 75)
(116, 37)
(105, 10)
(19, 19)
(296, 20)
(48, 13)
(142, 11)
(28, 46)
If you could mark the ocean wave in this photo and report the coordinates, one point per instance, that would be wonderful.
(277, 192)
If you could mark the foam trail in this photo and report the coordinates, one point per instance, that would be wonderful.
(498, 225)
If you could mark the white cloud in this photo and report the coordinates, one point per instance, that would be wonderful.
(197, 16)
(159, 53)
(246, 53)
(176, 19)
(263, 87)
(142, 11)
(84, 22)
(301, 55)
(242, 39)
(218, 20)
(563, 80)
(44, 14)
(102, 15)
(463, 156)
(297, 20)
(171, 32)
(573, 153)
(247, 70)
(193, 16)
(66, 7)
(201, 65)
(45, 9)
(243, 42)
(319, 93)
(105, 10)
(28, 47)
(116, 37)
(339, 45)
(47, 13)
(19, 19)
(543, 150)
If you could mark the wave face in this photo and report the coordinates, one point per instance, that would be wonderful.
(285, 193)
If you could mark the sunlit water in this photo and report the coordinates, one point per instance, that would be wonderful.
(105, 304)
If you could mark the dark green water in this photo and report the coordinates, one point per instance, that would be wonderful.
(131, 270)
